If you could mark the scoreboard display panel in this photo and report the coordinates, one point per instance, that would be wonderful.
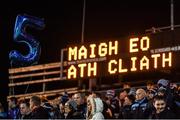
(146, 53)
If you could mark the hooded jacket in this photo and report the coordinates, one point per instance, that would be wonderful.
(97, 108)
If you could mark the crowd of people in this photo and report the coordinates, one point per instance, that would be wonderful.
(159, 100)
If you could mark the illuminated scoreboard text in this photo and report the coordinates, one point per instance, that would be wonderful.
(116, 57)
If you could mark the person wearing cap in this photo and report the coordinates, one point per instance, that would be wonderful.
(163, 83)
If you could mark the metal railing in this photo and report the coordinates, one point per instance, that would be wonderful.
(38, 74)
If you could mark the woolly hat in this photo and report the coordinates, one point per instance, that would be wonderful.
(47, 106)
(110, 93)
(162, 89)
(132, 91)
(163, 82)
(64, 98)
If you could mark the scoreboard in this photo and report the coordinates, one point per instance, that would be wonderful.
(135, 54)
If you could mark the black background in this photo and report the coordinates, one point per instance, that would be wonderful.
(105, 19)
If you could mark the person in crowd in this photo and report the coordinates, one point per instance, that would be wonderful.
(64, 98)
(126, 85)
(94, 108)
(13, 108)
(161, 111)
(3, 114)
(123, 93)
(71, 110)
(140, 105)
(81, 105)
(38, 112)
(132, 91)
(150, 85)
(150, 95)
(61, 111)
(106, 110)
(55, 111)
(24, 110)
(112, 102)
(125, 111)
(176, 99)
(164, 90)
(47, 106)
(174, 88)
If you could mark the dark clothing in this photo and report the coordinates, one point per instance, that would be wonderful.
(114, 106)
(82, 109)
(150, 108)
(13, 113)
(55, 114)
(3, 115)
(176, 105)
(105, 114)
(26, 116)
(39, 113)
(139, 109)
(61, 115)
(125, 112)
(166, 114)
(74, 115)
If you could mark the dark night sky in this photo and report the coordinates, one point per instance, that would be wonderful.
(105, 19)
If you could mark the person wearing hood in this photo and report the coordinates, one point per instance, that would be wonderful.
(95, 108)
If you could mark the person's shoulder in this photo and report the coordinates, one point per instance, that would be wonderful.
(98, 116)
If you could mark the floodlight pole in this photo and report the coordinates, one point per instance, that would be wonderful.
(172, 14)
(83, 22)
